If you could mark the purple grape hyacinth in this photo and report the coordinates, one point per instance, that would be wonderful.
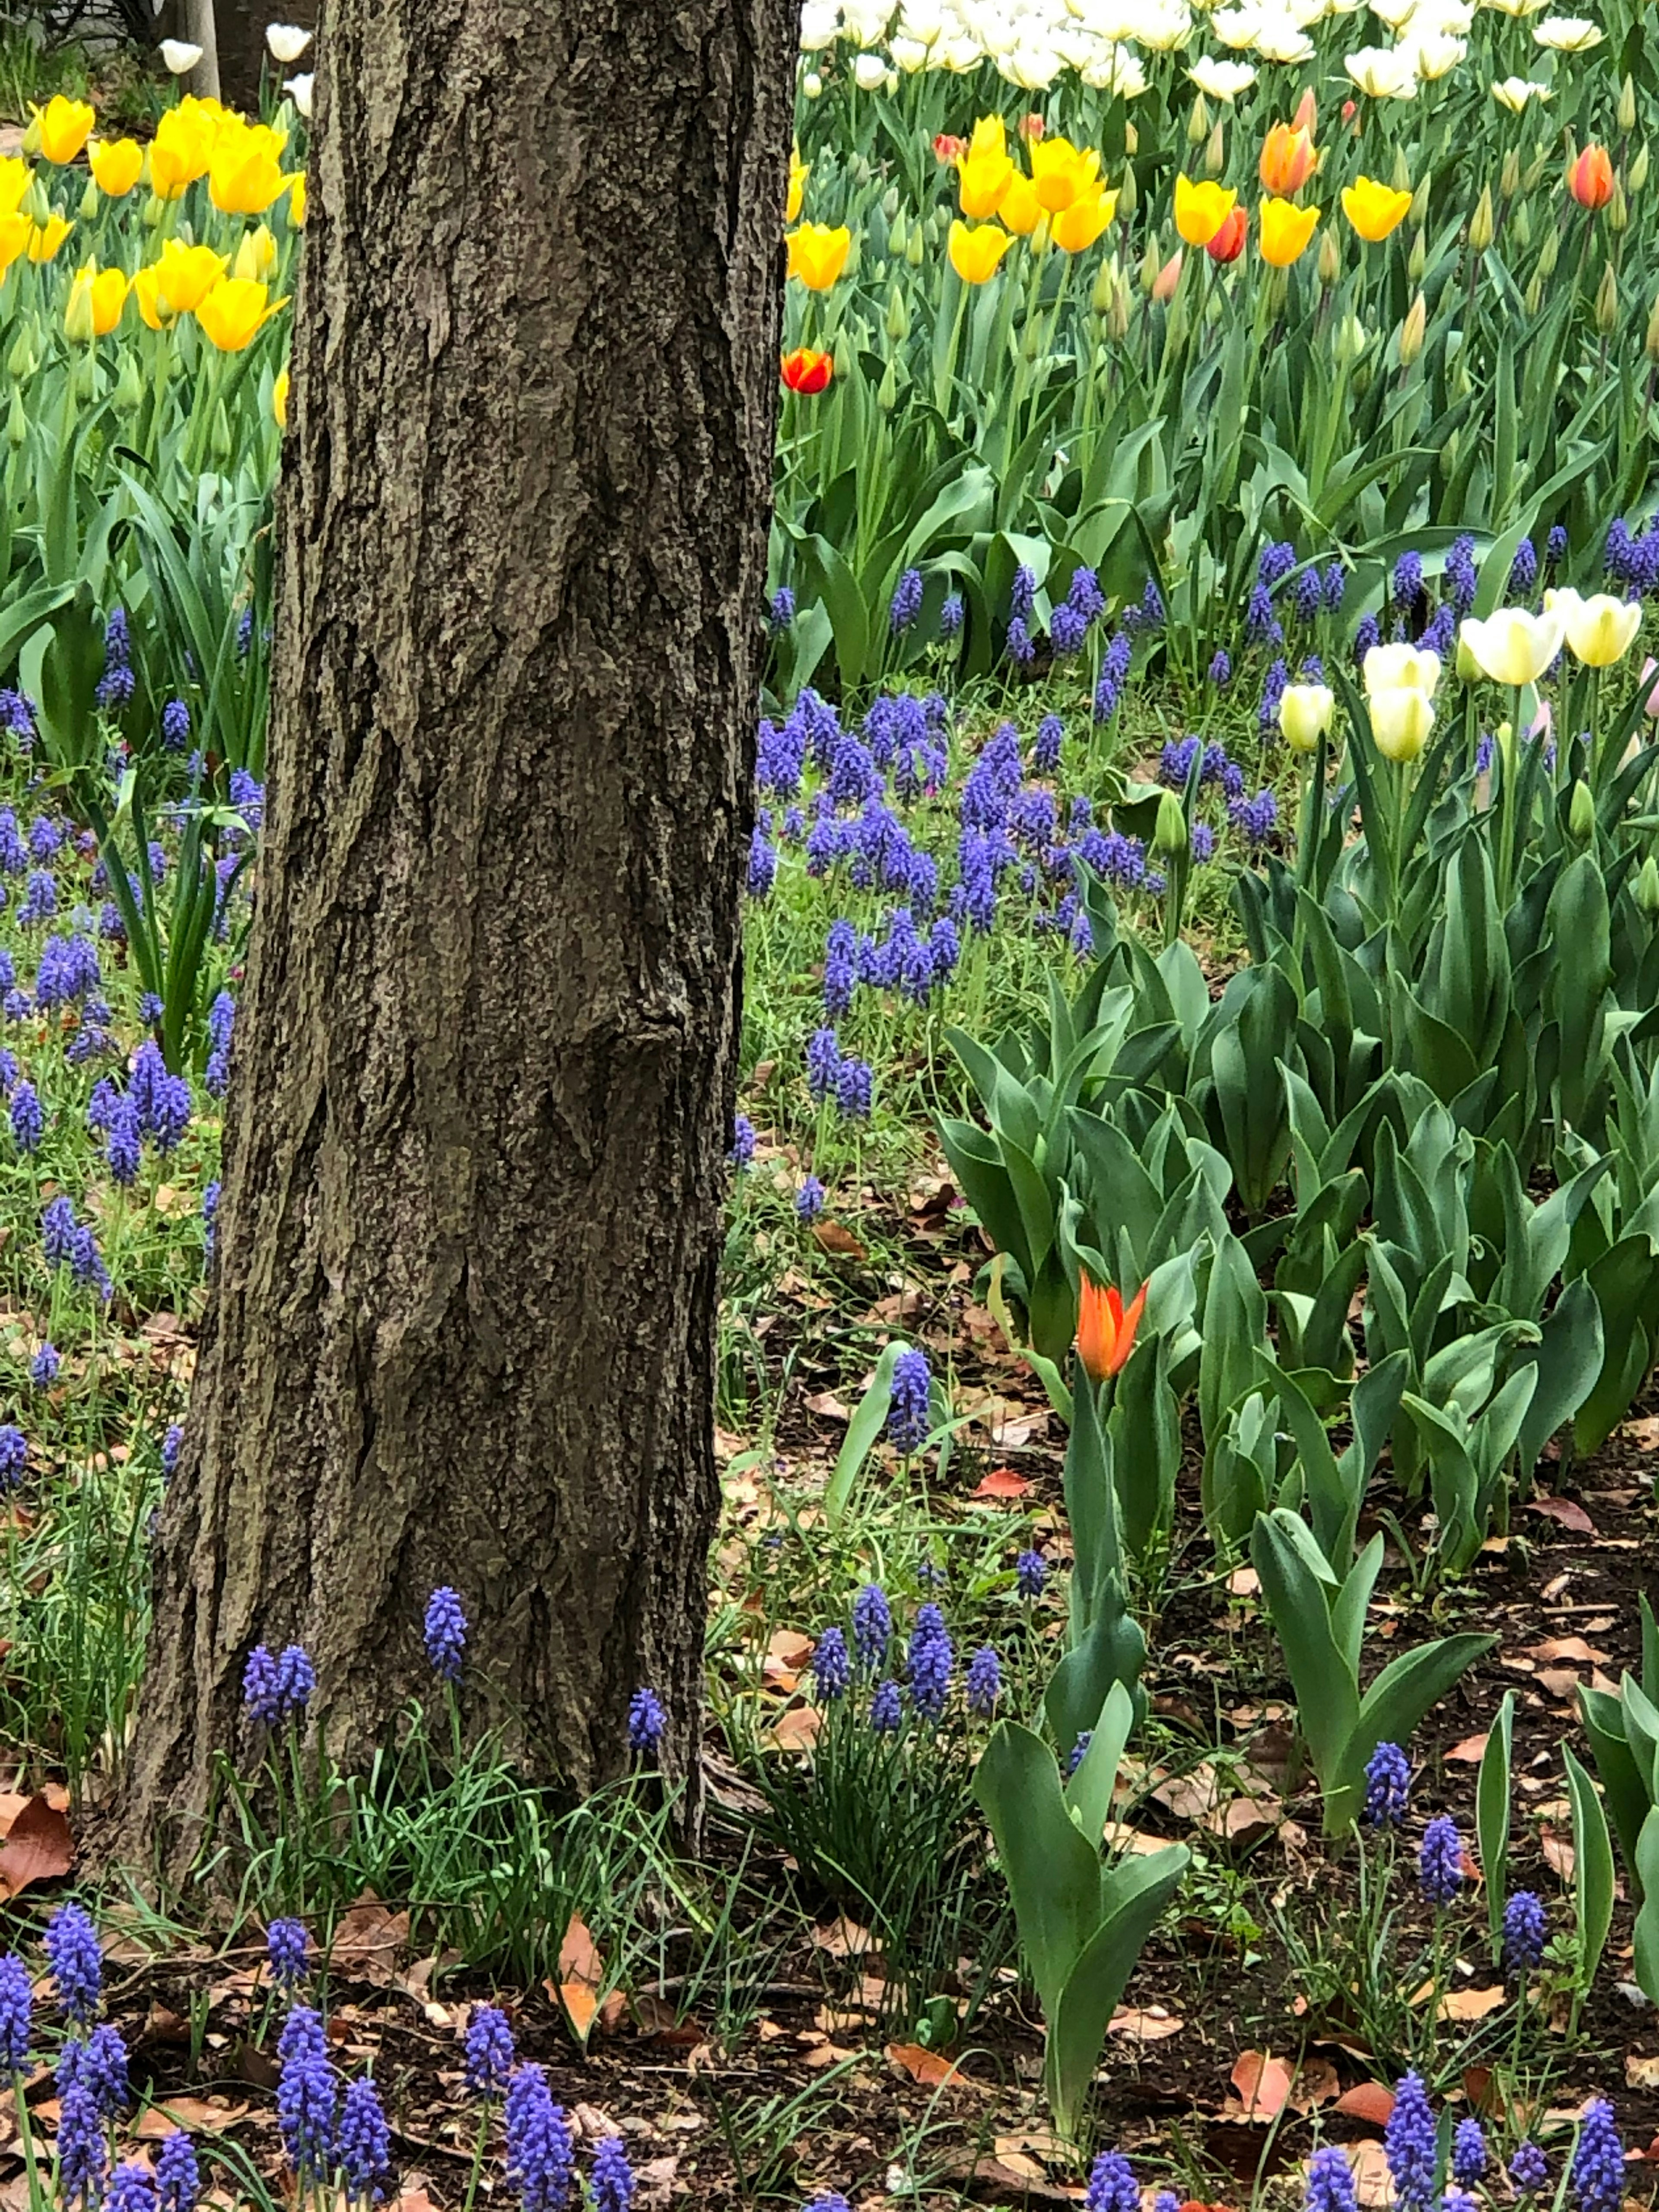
(1112, 2185)
(832, 1669)
(489, 2053)
(363, 2145)
(930, 1662)
(1409, 2143)
(1598, 2161)
(611, 2182)
(983, 1683)
(16, 2012)
(1440, 1861)
(445, 1633)
(76, 1962)
(1524, 1929)
(178, 2176)
(540, 2157)
(287, 1946)
(908, 1421)
(1387, 1786)
(646, 1721)
(1329, 2186)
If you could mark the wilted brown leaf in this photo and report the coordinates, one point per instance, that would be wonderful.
(797, 1729)
(581, 1978)
(1151, 2025)
(925, 2066)
(843, 1939)
(1468, 1753)
(1470, 2004)
(1641, 2071)
(159, 2121)
(1369, 2101)
(38, 1848)
(1002, 1482)
(1565, 1512)
(1263, 2083)
(839, 1244)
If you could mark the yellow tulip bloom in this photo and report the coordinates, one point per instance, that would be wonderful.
(799, 171)
(985, 172)
(147, 290)
(1374, 209)
(244, 178)
(1060, 174)
(1078, 227)
(45, 238)
(1305, 714)
(1201, 209)
(182, 148)
(1392, 667)
(95, 300)
(975, 254)
(187, 274)
(64, 126)
(1021, 210)
(1513, 645)
(1400, 721)
(279, 399)
(256, 256)
(116, 164)
(16, 231)
(1600, 629)
(296, 201)
(818, 254)
(15, 178)
(1286, 230)
(234, 312)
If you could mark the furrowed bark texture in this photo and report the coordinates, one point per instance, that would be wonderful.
(463, 1329)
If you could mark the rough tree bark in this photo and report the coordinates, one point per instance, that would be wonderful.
(463, 1326)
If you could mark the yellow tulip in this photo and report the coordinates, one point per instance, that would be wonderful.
(244, 178)
(116, 164)
(234, 312)
(256, 256)
(187, 274)
(1286, 230)
(182, 148)
(1395, 667)
(1305, 714)
(1060, 174)
(818, 254)
(16, 231)
(1400, 721)
(1078, 227)
(1512, 646)
(96, 297)
(799, 171)
(279, 399)
(64, 126)
(15, 178)
(1201, 209)
(975, 254)
(45, 238)
(1374, 209)
(985, 172)
(1021, 210)
(1600, 629)
(296, 201)
(147, 290)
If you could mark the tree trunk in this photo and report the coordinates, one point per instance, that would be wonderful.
(464, 1325)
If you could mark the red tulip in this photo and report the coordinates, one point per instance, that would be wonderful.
(1228, 242)
(1591, 178)
(805, 371)
(947, 149)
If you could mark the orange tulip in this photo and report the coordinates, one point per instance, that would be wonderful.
(806, 371)
(1228, 242)
(1307, 114)
(1164, 287)
(1105, 1330)
(947, 149)
(1287, 160)
(1030, 128)
(1591, 178)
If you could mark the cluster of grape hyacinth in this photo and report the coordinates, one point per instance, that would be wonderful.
(275, 1689)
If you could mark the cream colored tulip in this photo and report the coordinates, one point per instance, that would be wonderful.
(1382, 73)
(1401, 667)
(1305, 714)
(1600, 629)
(1401, 719)
(1514, 645)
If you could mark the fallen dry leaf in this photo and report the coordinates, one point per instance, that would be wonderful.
(1468, 1752)
(843, 1939)
(926, 2066)
(39, 1847)
(1002, 1482)
(1641, 2072)
(581, 1978)
(367, 1942)
(157, 2122)
(1263, 2083)
(839, 1244)
(1151, 2025)
(1317, 2082)
(1367, 2100)
(1563, 1510)
(797, 1729)
(1470, 2004)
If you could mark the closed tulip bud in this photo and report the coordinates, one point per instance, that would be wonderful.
(1150, 265)
(1198, 123)
(1647, 882)
(1534, 298)
(156, 209)
(129, 384)
(90, 201)
(1167, 280)
(812, 85)
(897, 231)
(1178, 324)
(1118, 323)
(1627, 105)
(1215, 154)
(1170, 835)
(1413, 331)
(1348, 339)
(1606, 302)
(889, 202)
(1581, 814)
(1509, 177)
(1402, 175)
(17, 421)
(1419, 206)
(914, 249)
(1549, 252)
(1448, 455)
(1483, 224)
(1533, 175)
(1418, 260)
(1650, 345)
(1128, 194)
(1618, 208)
(1521, 225)
(1330, 259)
(1131, 139)
(887, 390)
(1638, 169)
(20, 361)
(899, 317)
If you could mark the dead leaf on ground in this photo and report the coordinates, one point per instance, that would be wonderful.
(1317, 2082)
(1565, 1512)
(839, 1244)
(159, 2121)
(1469, 1752)
(655, 2180)
(1641, 2072)
(1373, 2185)
(843, 1939)
(1557, 1853)
(1002, 1482)
(928, 2067)
(1470, 2004)
(1371, 2101)
(367, 1942)
(797, 1729)
(828, 1406)
(38, 1848)
(1555, 1647)
(1263, 2083)
(1149, 2024)
(581, 1978)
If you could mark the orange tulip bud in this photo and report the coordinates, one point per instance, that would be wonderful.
(1307, 114)
(1168, 277)
(947, 149)
(805, 371)
(1030, 128)
(1106, 1329)
(1591, 178)
(1228, 242)
(1350, 109)
(1287, 160)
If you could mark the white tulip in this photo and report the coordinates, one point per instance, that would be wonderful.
(1438, 57)
(1236, 27)
(298, 90)
(1221, 79)
(1568, 34)
(1514, 92)
(180, 56)
(287, 41)
(1394, 667)
(820, 25)
(1382, 73)
(1513, 645)
(811, 86)
(1280, 39)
